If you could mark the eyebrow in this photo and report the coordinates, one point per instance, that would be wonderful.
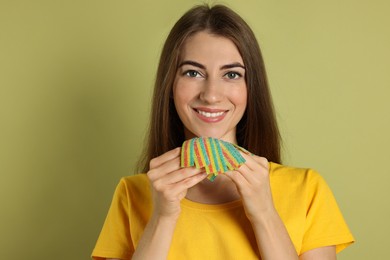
(193, 63)
(201, 66)
(232, 65)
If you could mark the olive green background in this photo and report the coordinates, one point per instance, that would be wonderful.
(75, 84)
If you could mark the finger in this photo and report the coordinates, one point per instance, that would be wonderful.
(237, 178)
(253, 169)
(156, 162)
(247, 173)
(261, 160)
(254, 161)
(165, 168)
(180, 175)
(192, 181)
(184, 185)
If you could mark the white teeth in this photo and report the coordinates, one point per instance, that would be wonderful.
(207, 114)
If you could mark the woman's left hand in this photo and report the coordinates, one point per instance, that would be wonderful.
(253, 184)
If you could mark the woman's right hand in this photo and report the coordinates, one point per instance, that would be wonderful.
(170, 183)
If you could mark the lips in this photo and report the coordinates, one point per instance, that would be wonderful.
(210, 115)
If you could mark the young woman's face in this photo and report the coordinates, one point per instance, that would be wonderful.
(209, 90)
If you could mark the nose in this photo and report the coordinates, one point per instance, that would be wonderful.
(212, 91)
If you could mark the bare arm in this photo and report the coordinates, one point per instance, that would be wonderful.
(273, 240)
(321, 253)
(169, 186)
(252, 182)
(156, 239)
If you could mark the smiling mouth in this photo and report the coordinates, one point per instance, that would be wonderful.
(210, 114)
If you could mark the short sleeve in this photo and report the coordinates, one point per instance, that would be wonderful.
(115, 240)
(325, 225)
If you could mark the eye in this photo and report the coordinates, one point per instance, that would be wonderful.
(233, 75)
(192, 74)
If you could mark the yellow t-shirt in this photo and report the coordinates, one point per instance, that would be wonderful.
(302, 198)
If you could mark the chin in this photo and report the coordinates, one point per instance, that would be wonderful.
(228, 137)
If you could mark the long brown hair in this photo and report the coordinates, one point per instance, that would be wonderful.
(257, 131)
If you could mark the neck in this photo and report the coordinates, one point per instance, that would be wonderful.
(221, 190)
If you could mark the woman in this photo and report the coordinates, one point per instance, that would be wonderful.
(211, 82)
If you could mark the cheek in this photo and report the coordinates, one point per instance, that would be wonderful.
(183, 93)
(180, 98)
(239, 98)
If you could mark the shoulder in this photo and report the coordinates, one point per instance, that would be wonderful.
(137, 179)
(304, 181)
(309, 175)
(134, 185)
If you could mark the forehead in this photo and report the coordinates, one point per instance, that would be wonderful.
(206, 47)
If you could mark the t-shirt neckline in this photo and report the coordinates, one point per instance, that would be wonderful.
(201, 206)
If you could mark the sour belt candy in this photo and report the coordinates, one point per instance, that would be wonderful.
(214, 155)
